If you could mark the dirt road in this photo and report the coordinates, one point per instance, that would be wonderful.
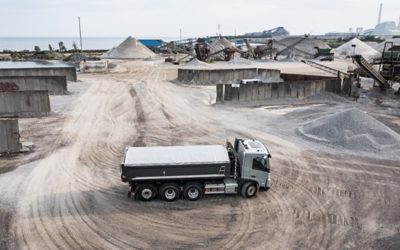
(72, 197)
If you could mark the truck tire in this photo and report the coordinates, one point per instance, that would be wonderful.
(248, 190)
(193, 191)
(146, 192)
(169, 191)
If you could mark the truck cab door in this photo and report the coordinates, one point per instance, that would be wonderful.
(257, 169)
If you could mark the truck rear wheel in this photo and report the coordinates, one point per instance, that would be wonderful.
(249, 189)
(169, 191)
(146, 192)
(193, 191)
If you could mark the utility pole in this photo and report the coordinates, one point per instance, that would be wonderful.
(180, 34)
(219, 29)
(80, 32)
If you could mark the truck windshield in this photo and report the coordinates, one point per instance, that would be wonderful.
(260, 163)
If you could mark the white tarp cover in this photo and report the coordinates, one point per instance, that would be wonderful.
(176, 155)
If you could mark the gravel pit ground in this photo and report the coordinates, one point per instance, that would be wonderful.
(71, 196)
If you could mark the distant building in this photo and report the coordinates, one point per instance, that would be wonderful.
(386, 29)
(272, 33)
(338, 35)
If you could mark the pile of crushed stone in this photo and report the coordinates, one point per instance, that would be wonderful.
(380, 46)
(361, 48)
(352, 129)
(305, 48)
(240, 60)
(196, 62)
(129, 49)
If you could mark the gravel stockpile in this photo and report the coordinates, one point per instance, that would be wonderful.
(240, 60)
(196, 62)
(379, 47)
(129, 49)
(361, 48)
(352, 129)
(305, 48)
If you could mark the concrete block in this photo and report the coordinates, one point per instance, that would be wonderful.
(307, 89)
(24, 103)
(69, 72)
(227, 92)
(53, 84)
(274, 90)
(267, 90)
(9, 136)
(220, 93)
(293, 90)
(300, 90)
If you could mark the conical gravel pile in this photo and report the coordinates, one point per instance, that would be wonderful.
(354, 130)
(129, 49)
(360, 48)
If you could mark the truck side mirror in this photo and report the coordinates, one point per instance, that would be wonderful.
(269, 156)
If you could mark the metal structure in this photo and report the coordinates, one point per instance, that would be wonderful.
(290, 47)
(389, 62)
(369, 70)
(330, 70)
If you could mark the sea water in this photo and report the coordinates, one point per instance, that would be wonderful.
(89, 43)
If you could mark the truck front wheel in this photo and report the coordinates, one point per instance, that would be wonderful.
(146, 192)
(249, 189)
(169, 191)
(193, 191)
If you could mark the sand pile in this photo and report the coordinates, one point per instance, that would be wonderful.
(360, 49)
(379, 47)
(129, 49)
(305, 48)
(352, 129)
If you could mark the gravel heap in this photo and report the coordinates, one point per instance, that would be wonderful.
(197, 62)
(352, 129)
(305, 48)
(379, 47)
(361, 49)
(129, 49)
(240, 60)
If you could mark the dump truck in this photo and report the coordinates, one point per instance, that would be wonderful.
(171, 172)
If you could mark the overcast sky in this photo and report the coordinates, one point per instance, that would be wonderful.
(164, 18)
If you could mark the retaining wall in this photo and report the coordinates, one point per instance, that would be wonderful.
(69, 72)
(258, 92)
(54, 84)
(226, 76)
(9, 136)
(24, 103)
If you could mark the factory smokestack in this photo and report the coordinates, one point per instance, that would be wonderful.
(380, 14)
(398, 24)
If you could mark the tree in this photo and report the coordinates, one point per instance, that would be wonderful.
(50, 48)
(61, 46)
(37, 48)
(75, 46)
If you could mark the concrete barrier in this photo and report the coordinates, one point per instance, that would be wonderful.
(54, 84)
(69, 72)
(9, 136)
(226, 76)
(258, 92)
(24, 103)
